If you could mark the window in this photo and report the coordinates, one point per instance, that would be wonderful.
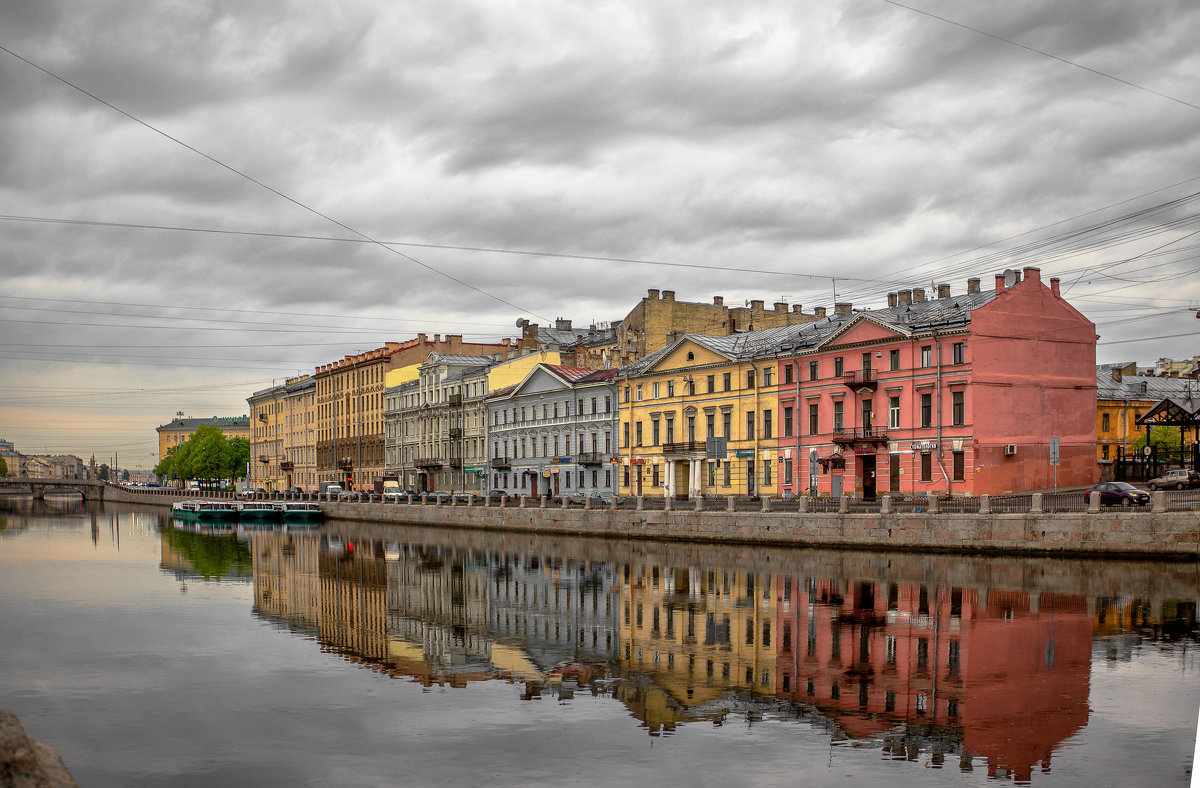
(710, 425)
(727, 424)
(766, 474)
(712, 383)
(654, 476)
(787, 422)
(837, 415)
(725, 474)
(727, 380)
(654, 436)
(812, 418)
(766, 425)
(625, 437)
(894, 360)
(926, 467)
(787, 373)
(749, 425)
(638, 433)
(1104, 452)
(958, 357)
(926, 355)
(812, 370)
(627, 393)
(766, 376)
(926, 410)
(670, 388)
(639, 392)
(960, 466)
(749, 378)
(670, 429)
(893, 412)
(838, 367)
(655, 388)
(957, 408)
(1104, 422)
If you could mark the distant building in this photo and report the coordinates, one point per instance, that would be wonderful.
(181, 428)
(283, 450)
(658, 321)
(1169, 368)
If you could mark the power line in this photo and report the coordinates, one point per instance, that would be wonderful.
(1043, 53)
(261, 184)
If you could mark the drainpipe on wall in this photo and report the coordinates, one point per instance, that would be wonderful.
(796, 425)
(937, 348)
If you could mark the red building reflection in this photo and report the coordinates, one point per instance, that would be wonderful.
(988, 673)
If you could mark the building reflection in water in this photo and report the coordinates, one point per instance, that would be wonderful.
(964, 675)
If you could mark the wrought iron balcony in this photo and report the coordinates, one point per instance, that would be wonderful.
(860, 379)
(591, 458)
(455, 462)
(345, 463)
(499, 462)
(456, 433)
(845, 437)
(685, 447)
(428, 462)
(454, 400)
(286, 466)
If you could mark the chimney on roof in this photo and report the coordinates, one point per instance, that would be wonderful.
(819, 312)
(972, 286)
(1117, 374)
(421, 338)
(1054, 287)
(562, 324)
(943, 291)
(918, 295)
(842, 309)
(780, 306)
(796, 309)
(653, 294)
(668, 295)
(1032, 274)
(892, 299)
(999, 283)
(756, 305)
(904, 298)
(718, 300)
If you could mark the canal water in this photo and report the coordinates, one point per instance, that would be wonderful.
(153, 652)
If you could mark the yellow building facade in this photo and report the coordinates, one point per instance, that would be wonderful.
(181, 428)
(283, 449)
(672, 401)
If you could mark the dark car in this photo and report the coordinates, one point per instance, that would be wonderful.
(606, 498)
(1175, 479)
(1118, 494)
(464, 497)
(436, 497)
(495, 496)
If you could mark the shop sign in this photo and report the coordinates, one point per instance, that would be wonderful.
(744, 453)
(927, 446)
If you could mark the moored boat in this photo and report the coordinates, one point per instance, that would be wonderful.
(204, 511)
(300, 512)
(258, 512)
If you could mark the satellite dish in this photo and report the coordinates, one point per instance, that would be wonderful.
(521, 322)
(1010, 277)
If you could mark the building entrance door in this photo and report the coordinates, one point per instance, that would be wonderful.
(866, 476)
(835, 485)
(894, 473)
(682, 479)
(751, 487)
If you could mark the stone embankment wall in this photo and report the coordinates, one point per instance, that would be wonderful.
(1108, 533)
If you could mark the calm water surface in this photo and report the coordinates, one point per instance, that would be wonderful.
(157, 653)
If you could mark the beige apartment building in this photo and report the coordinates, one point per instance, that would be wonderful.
(283, 452)
(350, 402)
(181, 428)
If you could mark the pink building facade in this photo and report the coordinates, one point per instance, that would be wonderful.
(951, 395)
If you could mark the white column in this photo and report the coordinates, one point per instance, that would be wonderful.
(695, 469)
(670, 485)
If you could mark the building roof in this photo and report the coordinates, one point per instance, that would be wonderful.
(588, 337)
(225, 422)
(1146, 388)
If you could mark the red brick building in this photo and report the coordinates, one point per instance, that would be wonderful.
(957, 394)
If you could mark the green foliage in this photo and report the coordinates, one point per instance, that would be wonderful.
(207, 454)
(124, 476)
(1162, 438)
(3, 467)
(102, 473)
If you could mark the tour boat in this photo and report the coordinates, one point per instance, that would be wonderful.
(300, 512)
(208, 511)
(257, 512)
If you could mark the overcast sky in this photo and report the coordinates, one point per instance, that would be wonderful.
(796, 141)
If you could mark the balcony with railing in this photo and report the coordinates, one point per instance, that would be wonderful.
(685, 447)
(454, 400)
(499, 462)
(429, 462)
(455, 461)
(592, 458)
(852, 437)
(858, 379)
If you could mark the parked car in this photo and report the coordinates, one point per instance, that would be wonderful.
(436, 497)
(1118, 494)
(464, 497)
(1177, 478)
(395, 496)
(495, 496)
(350, 495)
(606, 498)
